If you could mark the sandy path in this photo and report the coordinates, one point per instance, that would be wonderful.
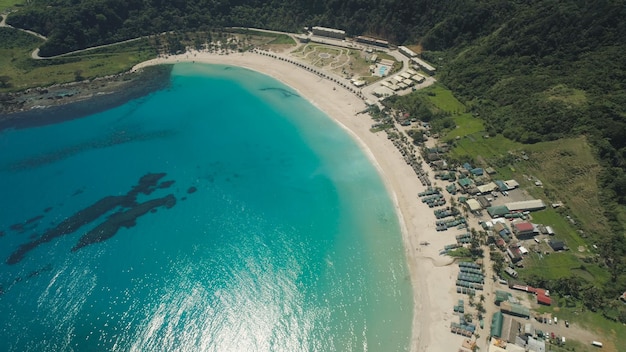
(432, 280)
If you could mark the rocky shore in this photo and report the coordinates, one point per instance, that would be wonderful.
(44, 105)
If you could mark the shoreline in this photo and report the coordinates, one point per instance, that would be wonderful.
(432, 278)
(32, 107)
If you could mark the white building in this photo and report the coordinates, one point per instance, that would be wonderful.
(424, 65)
(406, 51)
(329, 32)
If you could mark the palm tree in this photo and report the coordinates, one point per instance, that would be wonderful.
(482, 298)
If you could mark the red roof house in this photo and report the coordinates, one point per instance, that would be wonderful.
(524, 229)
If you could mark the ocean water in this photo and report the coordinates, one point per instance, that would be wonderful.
(224, 213)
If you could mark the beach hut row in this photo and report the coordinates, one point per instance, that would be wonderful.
(432, 198)
(437, 203)
(469, 265)
(446, 224)
(478, 278)
(449, 247)
(408, 153)
(466, 330)
(471, 271)
(464, 238)
(465, 290)
(444, 213)
(313, 70)
(467, 284)
(460, 307)
(428, 192)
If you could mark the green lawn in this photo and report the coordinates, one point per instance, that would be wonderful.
(476, 145)
(5, 4)
(443, 98)
(283, 39)
(550, 266)
(562, 227)
(466, 125)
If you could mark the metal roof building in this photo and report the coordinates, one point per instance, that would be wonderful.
(526, 205)
(496, 324)
(511, 184)
(515, 309)
(487, 188)
(498, 211)
(329, 32)
(473, 205)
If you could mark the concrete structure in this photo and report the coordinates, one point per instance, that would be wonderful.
(501, 185)
(524, 230)
(487, 188)
(556, 245)
(424, 65)
(473, 205)
(406, 51)
(498, 211)
(526, 205)
(372, 41)
(418, 78)
(329, 32)
(511, 184)
(515, 309)
(499, 345)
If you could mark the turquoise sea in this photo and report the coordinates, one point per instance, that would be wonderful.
(223, 213)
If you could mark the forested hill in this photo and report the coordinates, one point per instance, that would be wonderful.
(76, 24)
(553, 69)
(532, 69)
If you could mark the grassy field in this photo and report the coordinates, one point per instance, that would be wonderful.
(24, 72)
(441, 99)
(282, 39)
(6, 4)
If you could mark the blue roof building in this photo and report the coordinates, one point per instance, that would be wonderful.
(477, 171)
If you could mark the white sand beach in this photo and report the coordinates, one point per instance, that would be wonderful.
(432, 279)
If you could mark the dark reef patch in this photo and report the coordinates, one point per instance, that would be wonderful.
(124, 217)
(285, 93)
(115, 138)
(166, 184)
(191, 190)
(26, 225)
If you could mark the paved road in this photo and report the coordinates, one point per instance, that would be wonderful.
(3, 23)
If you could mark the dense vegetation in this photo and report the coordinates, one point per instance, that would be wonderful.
(532, 70)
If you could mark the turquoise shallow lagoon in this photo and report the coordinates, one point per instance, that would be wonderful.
(224, 213)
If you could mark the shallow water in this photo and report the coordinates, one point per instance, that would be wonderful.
(281, 236)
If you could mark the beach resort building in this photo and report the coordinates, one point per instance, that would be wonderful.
(329, 32)
(526, 205)
(424, 65)
(406, 51)
(372, 41)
